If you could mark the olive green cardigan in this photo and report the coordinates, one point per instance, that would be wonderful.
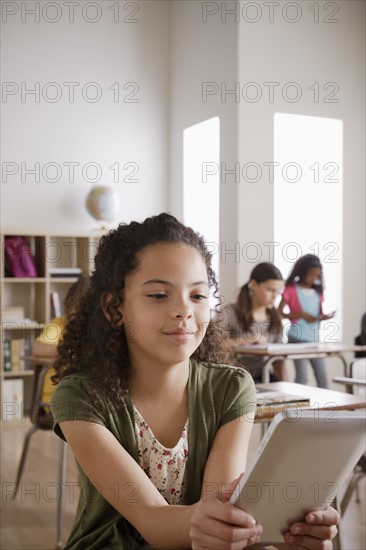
(217, 394)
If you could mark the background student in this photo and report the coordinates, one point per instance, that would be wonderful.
(149, 410)
(360, 340)
(253, 319)
(46, 343)
(303, 295)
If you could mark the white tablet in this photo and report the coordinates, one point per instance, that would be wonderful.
(300, 465)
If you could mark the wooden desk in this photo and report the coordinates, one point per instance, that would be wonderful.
(41, 360)
(274, 352)
(320, 399)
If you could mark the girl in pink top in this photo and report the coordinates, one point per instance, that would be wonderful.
(303, 296)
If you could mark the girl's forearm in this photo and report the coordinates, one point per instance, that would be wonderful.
(292, 315)
(167, 527)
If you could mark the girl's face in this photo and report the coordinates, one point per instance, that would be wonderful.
(265, 294)
(166, 305)
(312, 276)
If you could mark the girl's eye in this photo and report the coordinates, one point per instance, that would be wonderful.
(199, 297)
(159, 296)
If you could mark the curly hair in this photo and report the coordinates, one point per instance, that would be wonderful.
(74, 295)
(97, 345)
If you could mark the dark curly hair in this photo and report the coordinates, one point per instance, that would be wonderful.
(95, 345)
(300, 269)
(74, 295)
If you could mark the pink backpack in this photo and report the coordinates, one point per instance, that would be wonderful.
(18, 257)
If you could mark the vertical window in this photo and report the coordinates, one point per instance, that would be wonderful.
(308, 188)
(201, 180)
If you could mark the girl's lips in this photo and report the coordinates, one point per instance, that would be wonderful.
(179, 337)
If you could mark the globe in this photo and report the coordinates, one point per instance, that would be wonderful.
(102, 203)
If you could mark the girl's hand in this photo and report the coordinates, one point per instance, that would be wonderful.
(309, 318)
(316, 533)
(216, 523)
(261, 340)
(325, 317)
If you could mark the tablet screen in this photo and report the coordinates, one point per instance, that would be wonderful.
(300, 465)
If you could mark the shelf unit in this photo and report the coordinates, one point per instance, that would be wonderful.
(34, 293)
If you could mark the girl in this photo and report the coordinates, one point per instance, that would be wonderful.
(158, 430)
(303, 295)
(254, 320)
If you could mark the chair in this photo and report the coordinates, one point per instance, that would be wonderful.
(41, 418)
(357, 384)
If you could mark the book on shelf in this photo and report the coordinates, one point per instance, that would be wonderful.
(16, 345)
(27, 352)
(64, 271)
(13, 313)
(14, 318)
(20, 324)
(55, 304)
(271, 401)
(12, 399)
(16, 354)
(7, 356)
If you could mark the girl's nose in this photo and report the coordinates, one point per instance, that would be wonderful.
(186, 315)
(182, 311)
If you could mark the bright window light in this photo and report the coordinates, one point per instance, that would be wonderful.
(308, 206)
(201, 180)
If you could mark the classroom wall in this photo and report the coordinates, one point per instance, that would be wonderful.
(229, 45)
(163, 54)
(115, 115)
(203, 51)
(305, 52)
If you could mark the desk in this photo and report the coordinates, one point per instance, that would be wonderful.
(320, 399)
(274, 352)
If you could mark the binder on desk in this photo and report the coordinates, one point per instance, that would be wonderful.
(301, 347)
(269, 402)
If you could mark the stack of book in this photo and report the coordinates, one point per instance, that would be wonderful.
(17, 344)
(16, 353)
(270, 402)
(14, 317)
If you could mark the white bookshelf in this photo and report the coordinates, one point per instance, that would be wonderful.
(33, 294)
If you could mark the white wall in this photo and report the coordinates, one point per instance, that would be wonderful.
(169, 53)
(228, 48)
(203, 52)
(104, 132)
(306, 52)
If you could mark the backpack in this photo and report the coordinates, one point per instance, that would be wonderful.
(19, 261)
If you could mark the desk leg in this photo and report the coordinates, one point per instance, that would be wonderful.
(346, 370)
(61, 501)
(265, 370)
(337, 545)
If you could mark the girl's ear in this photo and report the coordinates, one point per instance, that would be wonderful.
(252, 284)
(106, 301)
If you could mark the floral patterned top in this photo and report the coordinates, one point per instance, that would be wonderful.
(165, 467)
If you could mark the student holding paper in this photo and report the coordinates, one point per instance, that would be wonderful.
(46, 343)
(303, 296)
